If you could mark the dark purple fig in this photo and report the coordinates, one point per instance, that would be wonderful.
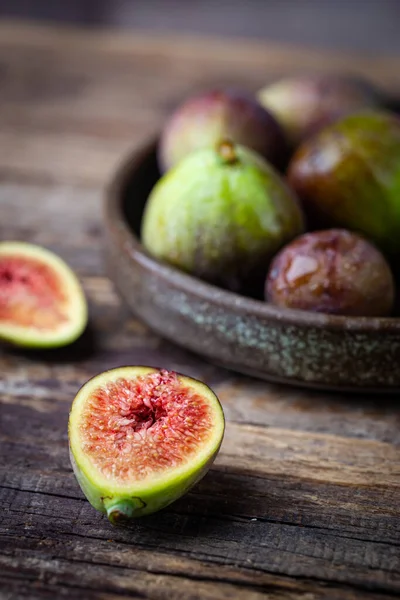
(204, 121)
(333, 271)
(349, 176)
(305, 104)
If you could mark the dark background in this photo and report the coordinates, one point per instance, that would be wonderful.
(367, 26)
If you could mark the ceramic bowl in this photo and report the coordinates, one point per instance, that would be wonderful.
(246, 335)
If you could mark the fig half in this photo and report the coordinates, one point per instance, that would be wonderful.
(42, 304)
(140, 437)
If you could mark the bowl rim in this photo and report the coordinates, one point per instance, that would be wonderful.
(129, 244)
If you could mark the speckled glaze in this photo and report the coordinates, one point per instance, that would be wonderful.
(250, 336)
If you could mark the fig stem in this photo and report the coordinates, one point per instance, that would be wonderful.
(121, 511)
(227, 152)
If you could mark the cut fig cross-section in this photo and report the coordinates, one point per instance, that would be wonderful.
(42, 304)
(140, 437)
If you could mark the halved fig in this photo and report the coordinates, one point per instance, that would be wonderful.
(140, 437)
(42, 304)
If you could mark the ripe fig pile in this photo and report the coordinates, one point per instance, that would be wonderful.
(222, 212)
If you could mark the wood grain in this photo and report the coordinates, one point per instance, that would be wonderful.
(303, 501)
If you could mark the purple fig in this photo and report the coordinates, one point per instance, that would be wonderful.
(305, 104)
(349, 176)
(333, 271)
(203, 121)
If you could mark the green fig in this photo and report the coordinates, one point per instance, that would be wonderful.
(141, 437)
(220, 214)
(304, 104)
(348, 176)
(206, 119)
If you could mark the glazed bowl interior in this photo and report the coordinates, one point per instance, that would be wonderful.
(137, 188)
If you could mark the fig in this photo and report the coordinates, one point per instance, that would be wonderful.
(220, 214)
(141, 437)
(42, 304)
(203, 121)
(333, 271)
(306, 103)
(348, 176)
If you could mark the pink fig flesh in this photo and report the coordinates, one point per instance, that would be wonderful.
(41, 301)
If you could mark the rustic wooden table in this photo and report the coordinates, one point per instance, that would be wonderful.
(304, 498)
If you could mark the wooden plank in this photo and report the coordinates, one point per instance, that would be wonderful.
(238, 54)
(185, 579)
(303, 500)
(285, 502)
(105, 94)
(52, 526)
(101, 581)
(308, 489)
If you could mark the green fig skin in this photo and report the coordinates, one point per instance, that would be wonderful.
(305, 104)
(121, 508)
(221, 214)
(349, 176)
(204, 120)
